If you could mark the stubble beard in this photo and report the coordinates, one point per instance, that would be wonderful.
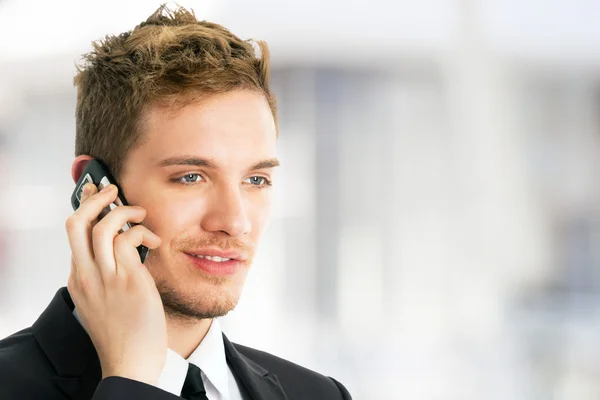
(212, 301)
(210, 304)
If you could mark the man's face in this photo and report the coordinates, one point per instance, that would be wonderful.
(203, 174)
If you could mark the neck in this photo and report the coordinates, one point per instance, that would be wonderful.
(185, 335)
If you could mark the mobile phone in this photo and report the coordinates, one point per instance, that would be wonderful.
(98, 173)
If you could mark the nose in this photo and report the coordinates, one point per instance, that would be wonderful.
(227, 213)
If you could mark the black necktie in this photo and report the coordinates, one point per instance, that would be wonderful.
(193, 387)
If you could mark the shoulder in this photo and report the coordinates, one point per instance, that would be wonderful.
(24, 368)
(18, 348)
(294, 378)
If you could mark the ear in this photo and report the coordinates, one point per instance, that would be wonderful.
(79, 165)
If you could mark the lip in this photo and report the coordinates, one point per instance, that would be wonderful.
(218, 253)
(215, 268)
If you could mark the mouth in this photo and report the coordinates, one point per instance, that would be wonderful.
(221, 264)
(211, 258)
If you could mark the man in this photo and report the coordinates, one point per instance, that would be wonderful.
(182, 113)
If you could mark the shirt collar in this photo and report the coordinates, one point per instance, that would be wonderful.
(173, 374)
(209, 356)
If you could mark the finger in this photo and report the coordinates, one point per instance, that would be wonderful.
(105, 231)
(94, 204)
(88, 190)
(79, 226)
(78, 234)
(125, 247)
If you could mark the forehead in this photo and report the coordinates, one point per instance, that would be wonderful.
(230, 128)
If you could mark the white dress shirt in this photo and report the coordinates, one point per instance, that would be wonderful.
(209, 356)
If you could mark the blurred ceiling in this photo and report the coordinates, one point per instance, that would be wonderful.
(344, 29)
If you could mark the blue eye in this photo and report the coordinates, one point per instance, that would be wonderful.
(259, 181)
(189, 178)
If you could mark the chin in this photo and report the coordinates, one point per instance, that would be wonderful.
(198, 300)
(193, 293)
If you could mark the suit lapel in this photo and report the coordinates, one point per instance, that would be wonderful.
(260, 383)
(68, 347)
(78, 371)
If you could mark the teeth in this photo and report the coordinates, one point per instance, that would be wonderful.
(217, 258)
(212, 258)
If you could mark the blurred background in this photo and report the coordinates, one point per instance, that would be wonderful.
(437, 230)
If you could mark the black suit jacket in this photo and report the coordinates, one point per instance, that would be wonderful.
(55, 360)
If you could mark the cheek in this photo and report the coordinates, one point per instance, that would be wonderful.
(167, 218)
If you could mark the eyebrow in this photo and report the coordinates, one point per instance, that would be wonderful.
(187, 160)
(272, 163)
(202, 162)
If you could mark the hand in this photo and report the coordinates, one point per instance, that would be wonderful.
(115, 295)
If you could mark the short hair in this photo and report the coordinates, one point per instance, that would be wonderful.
(172, 59)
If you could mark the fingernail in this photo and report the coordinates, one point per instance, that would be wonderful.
(86, 190)
(107, 189)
